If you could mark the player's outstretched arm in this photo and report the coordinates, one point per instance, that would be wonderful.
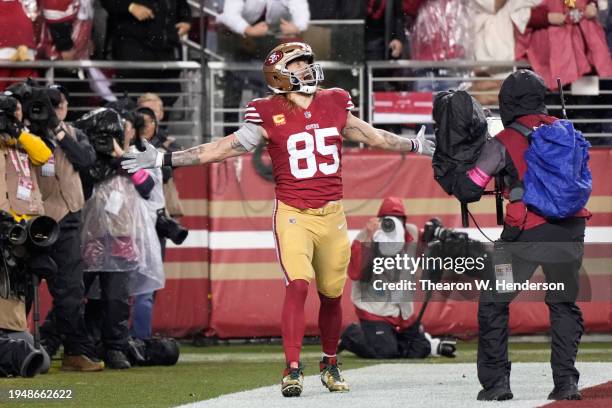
(356, 130)
(219, 150)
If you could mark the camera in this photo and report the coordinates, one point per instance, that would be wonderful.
(387, 224)
(18, 240)
(10, 231)
(434, 230)
(36, 104)
(8, 106)
(102, 126)
(167, 227)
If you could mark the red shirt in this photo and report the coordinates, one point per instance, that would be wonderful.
(16, 28)
(305, 145)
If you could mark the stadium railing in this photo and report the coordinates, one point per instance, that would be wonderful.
(91, 85)
(589, 108)
(349, 76)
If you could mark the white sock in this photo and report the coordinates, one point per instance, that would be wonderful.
(434, 343)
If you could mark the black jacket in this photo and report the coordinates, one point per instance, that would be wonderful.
(376, 27)
(159, 32)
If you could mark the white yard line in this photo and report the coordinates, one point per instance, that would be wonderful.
(414, 386)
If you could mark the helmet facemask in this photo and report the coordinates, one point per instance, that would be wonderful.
(306, 79)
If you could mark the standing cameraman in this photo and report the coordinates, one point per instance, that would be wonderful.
(20, 197)
(62, 194)
(158, 136)
(521, 101)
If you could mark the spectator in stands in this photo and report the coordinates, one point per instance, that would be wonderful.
(385, 36)
(17, 42)
(564, 42)
(249, 28)
(442, 31)
(389, 326)
(494, 25)
(66, 31)
(148, 30)
(257, 18)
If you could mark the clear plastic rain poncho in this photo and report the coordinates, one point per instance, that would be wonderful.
(443, 30)
(118, 235)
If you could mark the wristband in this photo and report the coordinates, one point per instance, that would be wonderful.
(415, 145)
(167, 160)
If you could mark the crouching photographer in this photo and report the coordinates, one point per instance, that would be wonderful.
(21, 226)
(389, 327)
(545, 217)
(120, 257)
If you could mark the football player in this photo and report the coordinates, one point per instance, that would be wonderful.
(303, 127)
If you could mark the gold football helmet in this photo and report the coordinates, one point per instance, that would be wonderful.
(278, 77)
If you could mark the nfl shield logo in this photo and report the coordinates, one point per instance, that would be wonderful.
(307, 114)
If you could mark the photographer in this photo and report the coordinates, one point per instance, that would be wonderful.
(158, 137)
(389, 326)
(63, 199)
(523, 114)
(117, 228)
(142, 310)
(20, 200)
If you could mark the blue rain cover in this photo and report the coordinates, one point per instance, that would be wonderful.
(558, 180)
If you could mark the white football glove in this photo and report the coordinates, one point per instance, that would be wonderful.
(424, 146)
(136, 160)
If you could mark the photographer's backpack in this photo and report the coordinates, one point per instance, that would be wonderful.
(558, 181)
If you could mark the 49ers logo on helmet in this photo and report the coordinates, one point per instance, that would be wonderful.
(274, 58)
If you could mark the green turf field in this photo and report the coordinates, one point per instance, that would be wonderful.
(206, 372)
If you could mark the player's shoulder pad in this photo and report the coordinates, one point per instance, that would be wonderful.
(255, 111)
(342, 97)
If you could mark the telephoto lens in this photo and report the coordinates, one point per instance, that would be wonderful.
(387, 224)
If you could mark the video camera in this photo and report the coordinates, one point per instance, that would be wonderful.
(461, 129)
(17, 241)
(434, 230)
(36, 104)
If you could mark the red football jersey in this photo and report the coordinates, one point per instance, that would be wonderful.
(305, 145)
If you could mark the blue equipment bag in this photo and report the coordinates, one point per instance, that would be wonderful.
(558, 180)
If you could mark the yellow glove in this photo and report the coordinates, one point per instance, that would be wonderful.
(36, 149)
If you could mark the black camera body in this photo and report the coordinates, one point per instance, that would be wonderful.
(168, 227)
(102, 126)
(36, 104)
(8, 106)
(434, 230)
(18, 242)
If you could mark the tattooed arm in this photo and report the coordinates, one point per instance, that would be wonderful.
(212, 152)
(219, 150)
(356, 130)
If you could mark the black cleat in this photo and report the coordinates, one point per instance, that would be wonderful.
(500, 391)
(292, 383)
(565, 391)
